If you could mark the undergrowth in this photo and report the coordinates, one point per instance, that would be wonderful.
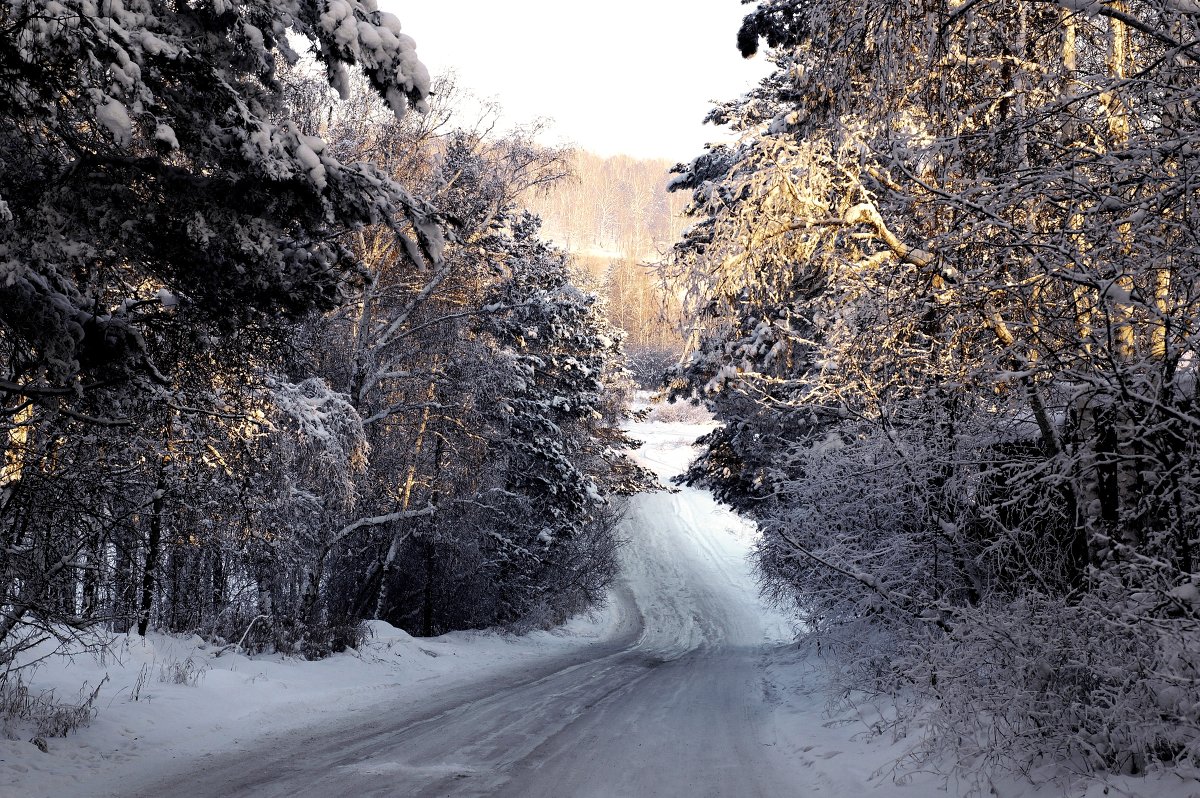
(22, 709)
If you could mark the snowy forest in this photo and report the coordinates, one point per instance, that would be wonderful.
(948, 288)
(285, 348)
(276, 348)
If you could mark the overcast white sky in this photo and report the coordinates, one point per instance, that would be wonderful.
(616, 76)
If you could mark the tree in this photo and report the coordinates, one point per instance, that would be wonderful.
(554, 425)
(963, 295)
(156, 207)
(156, 167)
(413, 353)
(439, 414)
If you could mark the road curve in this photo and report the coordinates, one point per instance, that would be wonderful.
(674, 705)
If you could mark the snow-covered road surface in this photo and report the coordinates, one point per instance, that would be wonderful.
(676, 704)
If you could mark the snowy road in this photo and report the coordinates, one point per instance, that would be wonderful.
(676, 704)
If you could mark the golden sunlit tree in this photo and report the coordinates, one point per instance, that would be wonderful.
(946, 290)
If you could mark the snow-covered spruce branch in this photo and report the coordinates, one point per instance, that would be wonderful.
(95, 420)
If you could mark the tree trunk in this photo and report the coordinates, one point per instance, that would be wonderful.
(427, 599)
(92, 574)
(410, 481)
(217, 587)
(153, 541)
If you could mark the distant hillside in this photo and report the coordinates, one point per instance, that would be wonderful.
(615, 216)
(615, 206)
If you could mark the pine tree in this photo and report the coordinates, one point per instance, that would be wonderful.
(148, 175)
(162, 221)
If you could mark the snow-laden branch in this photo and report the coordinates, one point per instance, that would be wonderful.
(379, 520)
(95, 420)
(867, 213)
(39, 390)
(484, 311)
(1118, 13)
(406, 313)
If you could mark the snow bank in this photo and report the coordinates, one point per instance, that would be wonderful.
(168, 700)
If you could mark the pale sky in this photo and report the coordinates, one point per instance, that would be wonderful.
(615, 76)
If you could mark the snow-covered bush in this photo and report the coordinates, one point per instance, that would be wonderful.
(1037, 681)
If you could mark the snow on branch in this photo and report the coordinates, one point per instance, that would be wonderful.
(379, 520)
